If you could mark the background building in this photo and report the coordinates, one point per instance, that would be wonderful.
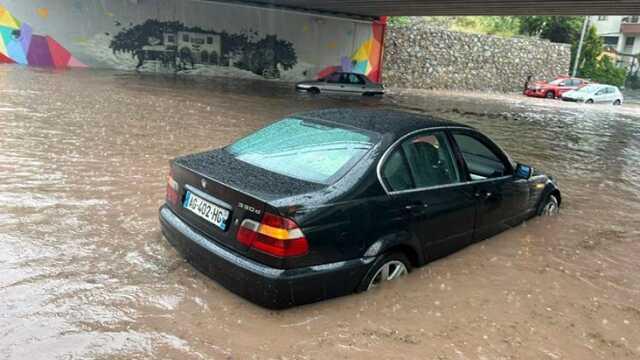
(621, 36)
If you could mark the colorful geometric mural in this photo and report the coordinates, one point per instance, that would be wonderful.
(18, 44)
(366, 60)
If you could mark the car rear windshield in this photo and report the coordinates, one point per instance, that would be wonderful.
(308, 150)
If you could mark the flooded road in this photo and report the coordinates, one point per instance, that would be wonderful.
(86, 274)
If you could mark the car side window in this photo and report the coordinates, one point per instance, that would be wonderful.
(396, 172)
(430, 160)
(482, 161)
(333, 78)
(355, 79)
(345, 79)
(421, 161)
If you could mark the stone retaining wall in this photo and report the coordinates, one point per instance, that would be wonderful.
(422, 57)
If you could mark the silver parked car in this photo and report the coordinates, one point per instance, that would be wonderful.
(595, 93)
(342, 82)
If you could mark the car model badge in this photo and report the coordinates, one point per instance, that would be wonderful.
(203, 182)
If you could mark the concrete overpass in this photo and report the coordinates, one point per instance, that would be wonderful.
(378, 8)
(275, 39)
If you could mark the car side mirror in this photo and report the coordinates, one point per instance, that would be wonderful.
(523, 172)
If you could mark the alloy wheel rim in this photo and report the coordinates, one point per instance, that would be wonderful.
(551, 209)
(391, 270)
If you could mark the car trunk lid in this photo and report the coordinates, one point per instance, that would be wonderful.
(241, 189)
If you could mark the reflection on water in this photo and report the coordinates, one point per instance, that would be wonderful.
(85, 273)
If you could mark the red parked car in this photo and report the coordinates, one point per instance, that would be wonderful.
(555, 88)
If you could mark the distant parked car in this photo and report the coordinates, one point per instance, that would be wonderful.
(342, 82)
(555, 88)
(595, 93)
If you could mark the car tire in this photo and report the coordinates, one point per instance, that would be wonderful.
(590, 101)
(314, 90)
(551, 206)
(550, 95)
(617, 102)
(397, 265)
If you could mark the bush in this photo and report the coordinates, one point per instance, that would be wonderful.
(490, 25)
(399, 20)
(603, 71)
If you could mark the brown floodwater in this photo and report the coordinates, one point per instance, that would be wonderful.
(86, 274)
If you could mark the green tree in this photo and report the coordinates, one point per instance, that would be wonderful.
(560, 29)
(566, 29)
(591, 50)
(604, 71)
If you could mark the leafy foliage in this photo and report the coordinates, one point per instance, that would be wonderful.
(560, 29)
(591, 50)
(398, 20)
(568, 29)
(490, 25)
(604, 71)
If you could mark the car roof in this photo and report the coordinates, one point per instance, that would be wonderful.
(603, 85)
(382, 121)
(349, 73)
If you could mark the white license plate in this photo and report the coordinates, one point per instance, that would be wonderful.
(206, 210)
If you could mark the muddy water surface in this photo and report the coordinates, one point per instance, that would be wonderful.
(85, 272)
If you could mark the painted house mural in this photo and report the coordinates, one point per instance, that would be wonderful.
(187, 37)
(172, 46)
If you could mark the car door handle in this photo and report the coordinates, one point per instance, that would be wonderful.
(417, 208)
(484, 195)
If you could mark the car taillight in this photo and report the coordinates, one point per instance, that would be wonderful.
(172, 190)
(274, 235)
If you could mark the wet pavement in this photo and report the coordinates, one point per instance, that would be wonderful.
(86, 274)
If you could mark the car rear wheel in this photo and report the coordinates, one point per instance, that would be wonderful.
(590, 101)
(617, 102)
(551, 206)
(314, 90)
(387, 267)
(550, 95)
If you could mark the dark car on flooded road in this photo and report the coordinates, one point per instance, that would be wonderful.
(332, 202)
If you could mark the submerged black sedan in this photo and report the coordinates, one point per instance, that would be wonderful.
(331, 202)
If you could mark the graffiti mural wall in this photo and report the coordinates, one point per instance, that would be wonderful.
(186, 37)
(18, 44)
